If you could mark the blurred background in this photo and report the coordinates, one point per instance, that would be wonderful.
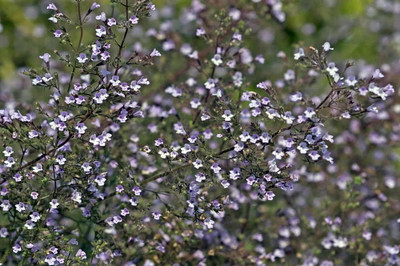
(363, 30)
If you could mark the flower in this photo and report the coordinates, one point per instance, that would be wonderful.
(215, 167)
(51, 6)
(299, 54)
(111, 22)
(327, 47)
(198, 164)
(82, 58)
(9, 162)
(332, 69)
(101, 17)
(217, 60)
(100, 31)
(200, 177)
(209, 223)
(133, 19)
(45, 57)
(155, 53)
(8, 151)
(58, 33)
(200, 32)
(94, 6)
(81, 128)
(314, 155)
(156, 215)
(137, 191)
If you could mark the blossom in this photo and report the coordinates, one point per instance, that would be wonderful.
(45, 57)
(215, 167)
(195, 103)
(100, 31)
(299, 54)
(234, 174)
(58, 33)
(81, 254)
(377, 74)
(9, 162)
(111, 22)
(200, 177)
(227, 115)
(200, 32)
(217, 60)
(101, 17)
(94, 6)
(81, 128)
(3, 232)
(314, 155)
(327, 47)
(34, 195)
(137, 190)
(54, 203)
(332, 69)
(198, 164)
(155, 53)
(51, 6)
(297, 96)
(16, 248)
(134, 201)
(156, 215)
(20, 207)
(8, 151)
(133, 19)
(82, 58)
(209, 223)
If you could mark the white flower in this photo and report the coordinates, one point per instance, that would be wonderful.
(217, 59)
(8, 151)
(332, 69)
(200, 32)
(38, 168)
(299, 54)
(82, 58)
(45, 57)
(377, 74)
(155, 53)
(327, 47)
(100, 31)
(198, 164)
(209, 223)
(227, 115)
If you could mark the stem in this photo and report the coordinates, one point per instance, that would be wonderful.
(55, 148)
(165, 173)
(7, 252)
(123, 39)
(79, 45)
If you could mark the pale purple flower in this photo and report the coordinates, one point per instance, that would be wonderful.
(82, 58)
(156, 215)
(137, 191)
(58, 33)
(45, 57)
(51, 6)
(133, 19)
(111, 22)
(100, 31)
(94, 6)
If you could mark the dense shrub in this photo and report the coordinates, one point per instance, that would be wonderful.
(172, 136)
